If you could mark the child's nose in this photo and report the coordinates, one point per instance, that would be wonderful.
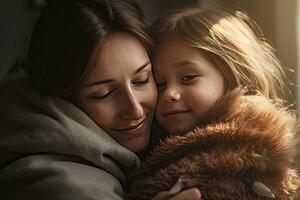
(171, 95)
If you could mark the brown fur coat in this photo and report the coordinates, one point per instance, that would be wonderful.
(245, 140)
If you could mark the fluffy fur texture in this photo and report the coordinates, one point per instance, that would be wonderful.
(244, 139)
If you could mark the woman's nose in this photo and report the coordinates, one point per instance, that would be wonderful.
(133, 109)
(171, 95)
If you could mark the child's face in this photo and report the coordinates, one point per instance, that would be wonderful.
(188, 85)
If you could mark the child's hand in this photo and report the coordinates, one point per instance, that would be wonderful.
(175, 194)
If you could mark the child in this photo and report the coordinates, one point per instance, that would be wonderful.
(242, 146)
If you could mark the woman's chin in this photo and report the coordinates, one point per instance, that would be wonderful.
(138, 145)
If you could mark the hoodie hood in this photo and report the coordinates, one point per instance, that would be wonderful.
(32, 124)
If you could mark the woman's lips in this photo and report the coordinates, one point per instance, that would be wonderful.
(131, 128)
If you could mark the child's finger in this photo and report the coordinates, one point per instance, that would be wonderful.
(163, 196)
(168, 194)
(190, 194)
(177, 187)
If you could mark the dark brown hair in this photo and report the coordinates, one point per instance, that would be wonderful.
(68, 33)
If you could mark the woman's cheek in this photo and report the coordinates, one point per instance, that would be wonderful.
(150, 95)
(103, 114)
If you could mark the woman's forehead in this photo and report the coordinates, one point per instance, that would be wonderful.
(120, 53)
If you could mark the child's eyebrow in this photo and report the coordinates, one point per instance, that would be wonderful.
(183, 63)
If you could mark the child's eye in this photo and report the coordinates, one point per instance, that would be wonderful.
(100, 97)
(188, 78)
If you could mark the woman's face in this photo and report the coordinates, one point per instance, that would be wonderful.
(121, 95)
(188, 83)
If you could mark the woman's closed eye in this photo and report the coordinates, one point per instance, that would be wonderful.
(142, 79)
(101, 96)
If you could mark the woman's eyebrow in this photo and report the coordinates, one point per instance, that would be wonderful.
(99, 82)
(142, 67)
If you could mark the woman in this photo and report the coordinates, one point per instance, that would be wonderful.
(72, 128)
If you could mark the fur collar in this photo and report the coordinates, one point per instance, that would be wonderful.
(245, 139)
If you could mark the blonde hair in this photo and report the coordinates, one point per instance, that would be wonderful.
(232, 41)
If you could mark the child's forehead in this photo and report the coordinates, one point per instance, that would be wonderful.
(170, 51)
(177, 53)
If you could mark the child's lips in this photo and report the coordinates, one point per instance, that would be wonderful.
(175, 112)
